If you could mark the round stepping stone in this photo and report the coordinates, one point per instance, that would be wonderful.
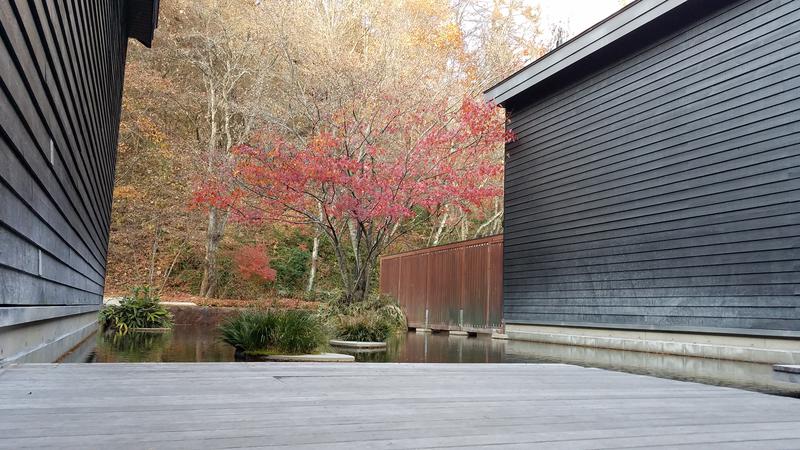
(322, 357)
(357, 344)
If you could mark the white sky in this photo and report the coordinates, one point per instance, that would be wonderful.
(579, 14)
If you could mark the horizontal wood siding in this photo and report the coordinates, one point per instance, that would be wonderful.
(62, 64)
(662, 190)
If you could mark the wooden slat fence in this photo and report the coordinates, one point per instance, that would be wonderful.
(458, 286)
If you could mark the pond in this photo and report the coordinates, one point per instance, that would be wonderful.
(199, 343)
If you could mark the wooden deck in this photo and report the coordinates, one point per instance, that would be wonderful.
(345, 406)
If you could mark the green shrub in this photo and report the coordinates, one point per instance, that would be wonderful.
(139, 310)
(373, 320)
(298, 332)
(274, 332)
(290, 257)
(291, 267)
(386, 307)
(367, 326)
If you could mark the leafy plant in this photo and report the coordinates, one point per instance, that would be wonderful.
(367, 326)
(372, 320)
(411, 164)
(142, 309)
(288, 332)
(253, 263)
(290, 259)
(291, 266)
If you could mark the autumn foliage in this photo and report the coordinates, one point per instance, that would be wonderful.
(378, 182)
(365, 188)
(359, 124)
(252, 262)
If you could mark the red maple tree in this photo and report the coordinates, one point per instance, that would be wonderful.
(363, 181)
(253, 262)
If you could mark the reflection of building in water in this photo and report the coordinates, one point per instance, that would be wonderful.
(745, 375)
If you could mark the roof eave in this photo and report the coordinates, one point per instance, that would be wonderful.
(599, 36)
(142, 20)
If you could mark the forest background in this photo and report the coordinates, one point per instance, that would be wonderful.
(228, 75)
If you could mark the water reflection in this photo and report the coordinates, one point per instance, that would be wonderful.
(199, 343)
(185, 343)
(436, 348)
(742, 375)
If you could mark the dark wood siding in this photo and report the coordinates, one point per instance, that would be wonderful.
(661, 190)
(62, 65)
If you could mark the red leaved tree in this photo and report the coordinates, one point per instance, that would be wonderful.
(364, 178)
(253, 263)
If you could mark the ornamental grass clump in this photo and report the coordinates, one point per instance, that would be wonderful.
(142, 309)
(371, 321)
(366, 326)
(273, 332)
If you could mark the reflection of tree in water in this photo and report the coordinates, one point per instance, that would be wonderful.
(185, 343)
(197, 343)
(436, 348)
(132, 347)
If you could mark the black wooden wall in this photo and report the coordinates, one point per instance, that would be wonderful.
(658, 186)
(61, 76)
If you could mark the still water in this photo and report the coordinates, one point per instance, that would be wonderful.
(199, 343)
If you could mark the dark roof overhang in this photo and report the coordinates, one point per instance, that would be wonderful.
(142, 20)
(617, 27)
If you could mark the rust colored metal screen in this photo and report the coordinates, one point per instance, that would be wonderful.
(460, 285)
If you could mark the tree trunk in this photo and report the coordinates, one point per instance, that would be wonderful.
(341, 261)
(438, 236)
(491, 220)
(356, 271)
(355, 283)
(359, 291)
(153, 251)
(216, 228)
(314, 256)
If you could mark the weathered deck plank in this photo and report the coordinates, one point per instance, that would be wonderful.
(377, 406)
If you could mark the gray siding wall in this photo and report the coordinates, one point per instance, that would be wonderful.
(61, 75)
(662, 190)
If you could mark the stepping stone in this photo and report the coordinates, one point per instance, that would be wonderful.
(357, 344)
(322, 357)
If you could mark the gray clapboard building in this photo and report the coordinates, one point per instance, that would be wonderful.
(652, 196)
(61, 77)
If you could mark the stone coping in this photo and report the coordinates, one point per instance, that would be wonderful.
(149, 330)
(357, 344)
(765, 350)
